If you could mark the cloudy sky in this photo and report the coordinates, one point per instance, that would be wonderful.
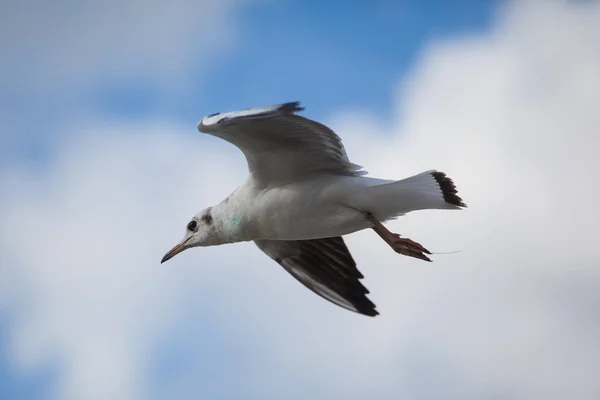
(101, 167)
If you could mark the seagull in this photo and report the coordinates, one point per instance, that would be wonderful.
(302, 195)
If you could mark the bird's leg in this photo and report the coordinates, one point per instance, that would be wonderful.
(400, 245)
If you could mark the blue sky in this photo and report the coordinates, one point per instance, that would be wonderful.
(101, 165)
(353, 53)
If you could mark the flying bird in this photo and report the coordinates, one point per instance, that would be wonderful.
(302, 195)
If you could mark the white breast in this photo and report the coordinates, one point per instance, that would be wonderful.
(309, 210)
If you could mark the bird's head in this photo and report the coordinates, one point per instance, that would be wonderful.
(200, 231)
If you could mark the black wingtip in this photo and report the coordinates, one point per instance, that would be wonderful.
(291, 107)
(364, 306)
(448, 188)
(370, 313)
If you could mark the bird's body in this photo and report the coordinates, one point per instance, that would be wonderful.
(318, 207)
(303, 194)
(288, 212)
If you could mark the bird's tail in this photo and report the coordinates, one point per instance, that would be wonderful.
(427, 190)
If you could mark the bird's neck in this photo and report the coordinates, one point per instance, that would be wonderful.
(230, 222)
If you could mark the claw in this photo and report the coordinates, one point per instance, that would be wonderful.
(400, 245)
(398, 240)
(400, 248)
(409, 248)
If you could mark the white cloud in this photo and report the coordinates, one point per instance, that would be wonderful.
(510, 116)
(62, 45)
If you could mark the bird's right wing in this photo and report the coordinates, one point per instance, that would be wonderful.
(326, 267)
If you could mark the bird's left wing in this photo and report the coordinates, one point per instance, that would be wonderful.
(326, 267)
(279, 145)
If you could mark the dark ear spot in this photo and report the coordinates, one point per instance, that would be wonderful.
(207, 218)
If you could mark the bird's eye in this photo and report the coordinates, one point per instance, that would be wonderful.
(192, 226)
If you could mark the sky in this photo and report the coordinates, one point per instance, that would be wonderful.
(101, 168)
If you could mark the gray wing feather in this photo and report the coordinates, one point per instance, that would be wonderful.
(281, 146)
(326, 267)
